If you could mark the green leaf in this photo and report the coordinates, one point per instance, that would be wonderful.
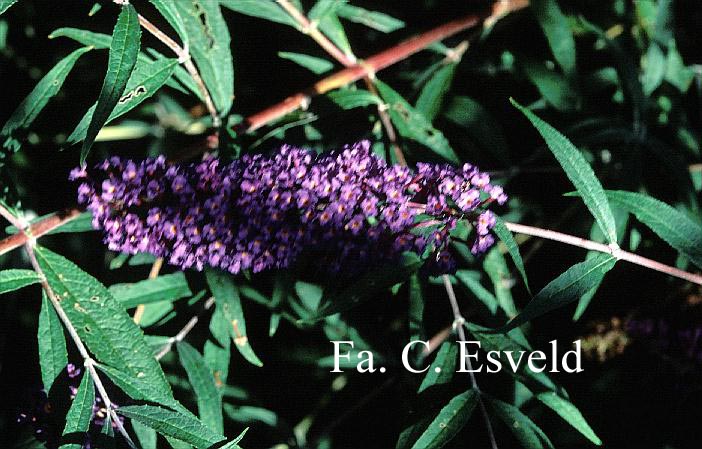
(85, 37)
(217, 354)
(654, 68)
(476, 288)
(350, 99)
(557, 30)
(505, 235)
(372, 19)
(80, 413)
(228, 301)
(434, 91)
(530, 436)
(496, 268)
(448, 422)
(209, 401)
(578, 171)
(553, 86)
(263, 9)
(5, 5)
(445, 362)
(369, 284)
(173, 424)
(482, 126)
(566, 288)
(168, 287)
(137, 388)
(169, 11)
(146, 435)
(673, 226)
(311, 63)
(415, 309)
(324, 13)
(102, 323)
(45, 89)
(209, 46)
(124, 50)
(412, 124)
(147, 78)
(53, 356)
(569, 413)
(14, 279)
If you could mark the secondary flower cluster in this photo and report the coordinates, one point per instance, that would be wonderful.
(346, 209)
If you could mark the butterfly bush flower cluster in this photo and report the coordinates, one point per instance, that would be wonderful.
(346, 209)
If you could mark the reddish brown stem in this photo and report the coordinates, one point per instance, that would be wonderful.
(38, 229)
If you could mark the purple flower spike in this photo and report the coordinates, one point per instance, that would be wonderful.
(348, 207)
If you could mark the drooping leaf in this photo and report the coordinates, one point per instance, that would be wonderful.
(434, 91)
(169, 11)
(496, 268)
(217, 353)
(46, 88)
(146, 435)
(324, 13)
(505, 235)
(530, 436)
(173, 424)
(350, 99)
(167, 287)
(566, 288)
(476, 288)
(558, 33)
(209, 401)
(5, 5)
(578, 171)
(673, 226)
(53, 356)
(102, 323)
(15, 279)
(372, 19)
(209, 46)
(228, 301)
(448, 422)
(79, 414)
(414, 125)
(445, 363)
(147, 78)
(569, 413)
(84, 37)
(263, 9)
(311, 63)
(124, 49)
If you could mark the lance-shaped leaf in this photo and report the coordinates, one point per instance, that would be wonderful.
(558, 33)
(566, 288)
(102, 323)
(79, 415)
(147, 78)
(496, 268)
(263, 9)
(350, 99)
(530, 436)
(146, 435)
(228, 301)
(434, 91)
(209, 46)
(673, 226)
(169, 11)
(217, 353)
(45, 89)
(5, 5)
(445, 363)
(412, 124)
(138, 389)
(505, 235)
(209, 401)
(472, 283)
(173, 424)
(53, 356)
(372, 19)
(124, 50)
(15, 279)
(168, 287)
(578, 171)
(448, 422)
(570, 413)
(311, 63)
